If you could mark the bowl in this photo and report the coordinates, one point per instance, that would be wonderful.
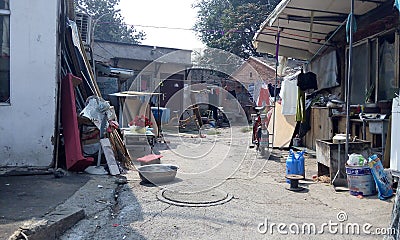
(158, 173)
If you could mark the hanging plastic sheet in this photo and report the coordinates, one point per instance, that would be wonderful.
(353, 22)
(326, 69)
(96, 109)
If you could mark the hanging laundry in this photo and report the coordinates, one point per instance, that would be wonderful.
(288, 95)
(272, 89)
(263, 99)
(301, 106)
(307, 81)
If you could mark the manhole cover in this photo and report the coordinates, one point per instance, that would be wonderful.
(199, 199)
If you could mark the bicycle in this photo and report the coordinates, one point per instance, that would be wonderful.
(260, 136)
(189, 120)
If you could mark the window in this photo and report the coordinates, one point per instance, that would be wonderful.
(4, 51)
(374, 69)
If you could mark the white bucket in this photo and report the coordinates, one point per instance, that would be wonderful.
(360, 180)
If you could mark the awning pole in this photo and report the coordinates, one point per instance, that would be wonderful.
(348, 82)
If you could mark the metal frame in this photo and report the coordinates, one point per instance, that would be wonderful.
(370, 42)
(304, 21)
(7, 12)
(320, 11)
(348, 83)
(312, 19)
(273, 35)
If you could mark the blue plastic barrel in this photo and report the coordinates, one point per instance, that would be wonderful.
(301, 163)
(291, 165)
(295, 164)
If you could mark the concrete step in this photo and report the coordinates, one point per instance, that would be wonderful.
(51, 226)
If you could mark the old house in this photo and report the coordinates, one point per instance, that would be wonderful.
(155, 69)
(29, 73)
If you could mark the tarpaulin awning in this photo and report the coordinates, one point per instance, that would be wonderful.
(305, 25)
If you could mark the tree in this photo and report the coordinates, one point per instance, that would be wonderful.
(109, 25)
(231, 25)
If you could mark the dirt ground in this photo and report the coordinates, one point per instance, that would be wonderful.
(226, 190)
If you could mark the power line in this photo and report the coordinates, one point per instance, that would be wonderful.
(222, 31)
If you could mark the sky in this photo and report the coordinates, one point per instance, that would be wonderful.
(152, 16)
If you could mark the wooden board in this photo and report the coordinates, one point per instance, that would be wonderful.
(110, 158)
(321, 126)
(284, 127)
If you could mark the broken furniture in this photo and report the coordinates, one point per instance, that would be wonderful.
(328, 155)
(377, 125)
(75, 161)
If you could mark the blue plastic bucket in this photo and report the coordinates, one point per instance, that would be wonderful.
(360, 180)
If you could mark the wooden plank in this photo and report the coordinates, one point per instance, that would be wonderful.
(309, 142)
(321, 125)
(284, 127)
(110, 158)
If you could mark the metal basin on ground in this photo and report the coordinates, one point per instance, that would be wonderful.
(158, 173)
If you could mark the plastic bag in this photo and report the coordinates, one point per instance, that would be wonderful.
(381, 179)
(356, 160)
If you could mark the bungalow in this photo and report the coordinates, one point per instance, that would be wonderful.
(155, 69)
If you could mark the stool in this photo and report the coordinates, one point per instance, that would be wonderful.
(150, 159)
(294, 182)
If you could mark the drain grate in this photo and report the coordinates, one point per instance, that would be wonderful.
(199, 199)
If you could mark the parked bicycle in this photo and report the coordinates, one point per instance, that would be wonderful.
(260, 136)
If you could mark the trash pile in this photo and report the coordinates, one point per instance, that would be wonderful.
(364, 176)
(357, 160)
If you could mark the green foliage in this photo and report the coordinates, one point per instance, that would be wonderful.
(223, 63)
(108, 23)
(231, 25)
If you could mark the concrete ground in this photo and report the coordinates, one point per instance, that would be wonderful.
(23, 198)
(221, 166)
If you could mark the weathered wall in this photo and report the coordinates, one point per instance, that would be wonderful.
(27, 125)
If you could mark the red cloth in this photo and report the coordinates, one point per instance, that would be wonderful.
(149, 158)
(263, 98)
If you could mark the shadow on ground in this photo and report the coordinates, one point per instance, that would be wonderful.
(26, 197)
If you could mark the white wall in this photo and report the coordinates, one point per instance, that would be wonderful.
(27, 125)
